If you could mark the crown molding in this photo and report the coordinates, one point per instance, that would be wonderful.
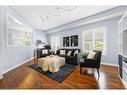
(85, 23)
(108, 14)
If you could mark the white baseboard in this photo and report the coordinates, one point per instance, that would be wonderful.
(110, 64)
(11, 68)
(125, 84)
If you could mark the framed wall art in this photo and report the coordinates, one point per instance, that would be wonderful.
(66, 41)
(74, 40)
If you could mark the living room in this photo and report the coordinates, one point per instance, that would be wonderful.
(30, 38)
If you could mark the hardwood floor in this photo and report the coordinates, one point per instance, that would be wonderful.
(24, 77)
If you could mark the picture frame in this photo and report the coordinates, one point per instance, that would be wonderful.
(66, 41)
(74, 40)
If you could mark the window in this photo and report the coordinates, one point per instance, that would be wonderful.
(55, 42)
(88, 41)
(94, 39)
(99, 40)
(19, 38)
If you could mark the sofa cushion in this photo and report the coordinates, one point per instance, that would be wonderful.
(70, 57)
(62, 55)
(44, 55)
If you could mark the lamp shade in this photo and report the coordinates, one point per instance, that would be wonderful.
(38, 42)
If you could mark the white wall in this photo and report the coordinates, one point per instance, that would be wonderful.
(111, 40)
(39, 35)
(0, 47)
(14, 56)
(117, 11)
(107, 18)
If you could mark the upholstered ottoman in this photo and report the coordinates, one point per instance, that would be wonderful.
(51, 63)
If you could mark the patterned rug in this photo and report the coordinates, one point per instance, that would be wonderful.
(59, 76)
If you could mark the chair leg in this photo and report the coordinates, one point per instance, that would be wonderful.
(98, 73)
(93, 71)
(80, 70)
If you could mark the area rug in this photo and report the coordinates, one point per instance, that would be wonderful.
(59, 76)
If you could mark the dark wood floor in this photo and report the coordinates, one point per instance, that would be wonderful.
(24, 77)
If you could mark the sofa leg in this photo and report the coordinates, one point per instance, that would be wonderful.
(80, 70)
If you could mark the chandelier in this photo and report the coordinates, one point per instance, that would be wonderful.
(56, 12)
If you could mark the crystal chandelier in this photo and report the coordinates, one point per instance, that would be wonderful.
(56, 12)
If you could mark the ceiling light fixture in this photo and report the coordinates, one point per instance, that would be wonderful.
(57, 11)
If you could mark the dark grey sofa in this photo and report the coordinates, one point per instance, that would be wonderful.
(72, 59)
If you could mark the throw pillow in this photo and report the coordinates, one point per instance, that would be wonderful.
(69, 53)
(55, 52)
(76, 52)
(91, 55)
(45, 51)
(62, 52)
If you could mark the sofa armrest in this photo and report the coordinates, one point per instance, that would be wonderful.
(89, 61)
(44, 55)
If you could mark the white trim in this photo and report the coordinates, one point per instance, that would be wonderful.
(60, 28)
(125, 15)
(11, 68)
(110, 64)
(83, 38)
(125, 84)
(93, 31)
(1, 42)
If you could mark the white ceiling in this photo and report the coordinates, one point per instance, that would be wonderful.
(13, 23)
(33, 14)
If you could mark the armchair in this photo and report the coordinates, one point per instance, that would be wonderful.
(92, 63)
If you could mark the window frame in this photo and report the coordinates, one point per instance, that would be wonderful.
(94, 30)
(56, 40)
